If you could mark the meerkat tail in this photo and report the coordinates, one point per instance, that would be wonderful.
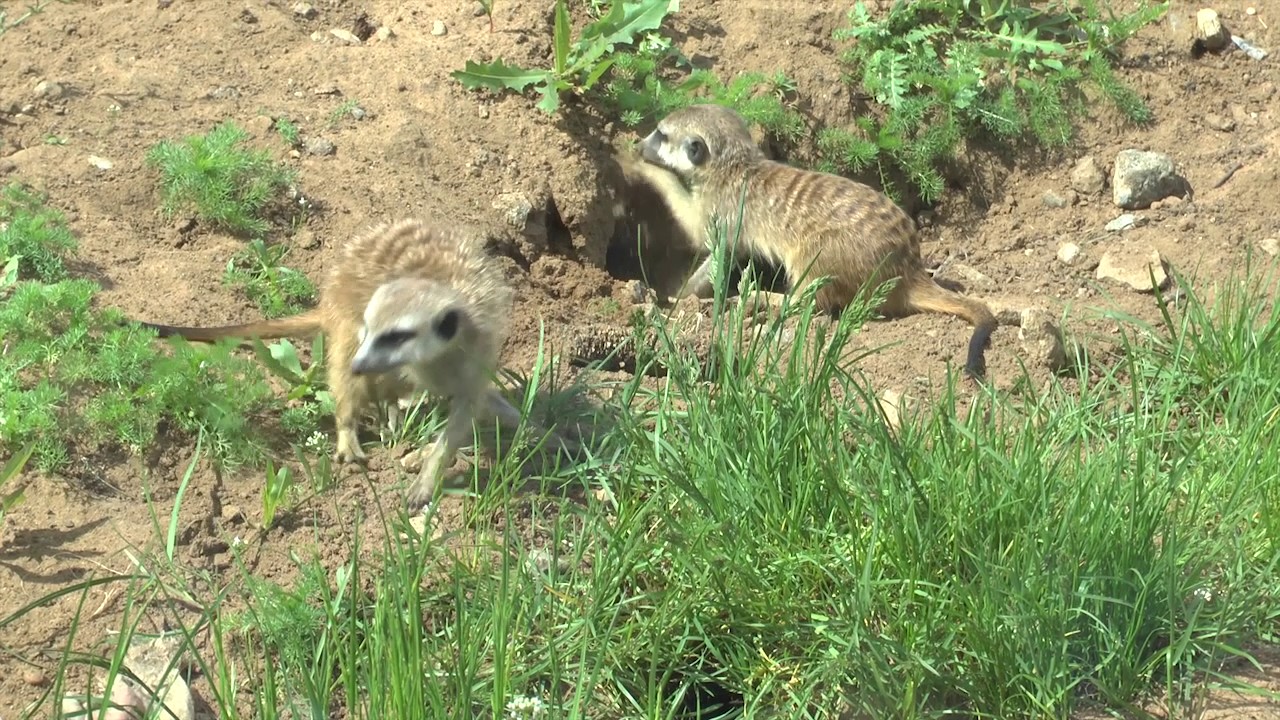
(928, 296)
(307, 323)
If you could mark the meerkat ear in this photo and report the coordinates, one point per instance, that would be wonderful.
(696, 150)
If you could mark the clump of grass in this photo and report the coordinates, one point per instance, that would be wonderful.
(288, 131)
(943, 71)
(74, 376)
(277, 289)
(33, 234)
(225, 183)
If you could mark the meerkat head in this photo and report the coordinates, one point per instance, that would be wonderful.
(409, 322)
(691, 141)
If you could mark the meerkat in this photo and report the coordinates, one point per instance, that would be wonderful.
(707, 167)
(407, 307)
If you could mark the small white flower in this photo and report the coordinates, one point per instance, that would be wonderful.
(1204, 594)
(523, 707)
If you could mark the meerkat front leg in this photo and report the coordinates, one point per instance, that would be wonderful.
(349, 396)
(457, 434)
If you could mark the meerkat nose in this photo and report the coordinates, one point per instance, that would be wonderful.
(369, 361)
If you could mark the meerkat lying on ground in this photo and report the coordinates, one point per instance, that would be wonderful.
(407, 307)
(706, 166)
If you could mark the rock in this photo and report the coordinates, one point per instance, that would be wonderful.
(893, 403)
(100, 162)
(34, 678)
(1068, 253)
(1087, 177)
(1139, 178)
(641, 293)
(224, 92)
(49, 90)
(383, 34)
(320, 147)
(1052, 199)
(1133, 267)
(1209, 30)
(972, 275)
(345, 36)
(1042, 340)
(438, 28)
(1270, 246)
(153, 661)
(1219, 123)
(306, 11)
(524, 215)
(1127, 221)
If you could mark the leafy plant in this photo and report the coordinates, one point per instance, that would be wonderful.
(33, 235)
(308, 399)
(288, 131)
(947, 70)
(278, 290)
(277, 485)
(226, 184)
(73, 373)
(576, 65)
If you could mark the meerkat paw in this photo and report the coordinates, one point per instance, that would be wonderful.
(349, 449)
(422, 492)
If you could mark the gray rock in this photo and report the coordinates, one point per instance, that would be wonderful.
(49, 90)
(1127, 221)
(1140, 178)
(304, 10)
(438, 28)
(1270, 246)
(320, 147)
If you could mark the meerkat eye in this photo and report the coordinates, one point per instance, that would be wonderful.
(394, 338)
(447, 325)
(696, 149)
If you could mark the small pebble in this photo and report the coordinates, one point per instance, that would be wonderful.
(1068, 253)
(48, 89)
(320, 147)
(304, 10)
(1270, 246)
(437, 28)
(34, 678)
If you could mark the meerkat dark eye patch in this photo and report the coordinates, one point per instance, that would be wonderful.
(697, 151)
(394, 338)
(447, 325)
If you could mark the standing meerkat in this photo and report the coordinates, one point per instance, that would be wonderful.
(407, 307)
(704, 163)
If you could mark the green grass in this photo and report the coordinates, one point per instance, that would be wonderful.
(276, 289)
(769, 535)
(76, 379)
(224, 183)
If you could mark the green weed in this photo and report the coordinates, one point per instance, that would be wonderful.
(577, 65)
(76, 375)
(944, 71)
(288, 131)
(227, 185)
(33, 234)
(277, 289)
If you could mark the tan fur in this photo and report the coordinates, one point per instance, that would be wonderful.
(405, 275)
(813, 224)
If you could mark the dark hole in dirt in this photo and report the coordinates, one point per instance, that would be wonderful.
(558, 239)
(708, 700)
(362, 27)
